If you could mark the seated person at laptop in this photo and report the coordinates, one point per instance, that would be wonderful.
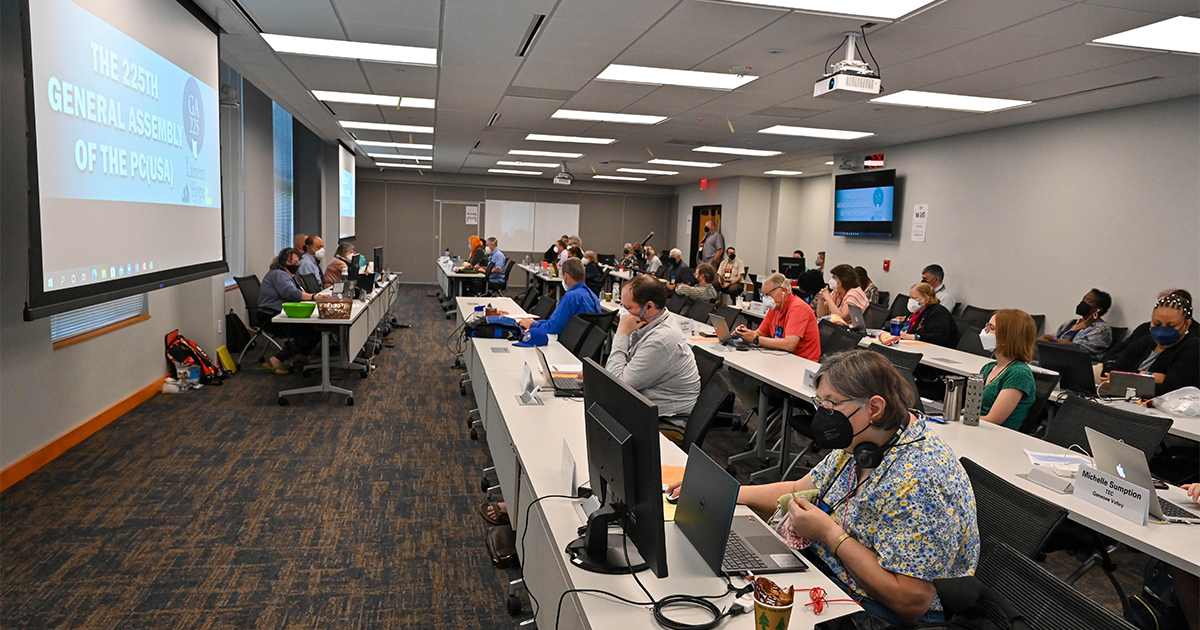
(478, 252)
(704, 289)
(559, 246)
(593, 272)
(1171, 354)
(1089, 331)
(278, 286)
(904, 501)
(577, 299)
(497, 259)
(930, 321)
(848, 292)
(1008, 385)
(652, 262)
(651, 355)
(340, 262)
(1143, 330)
(731, 274)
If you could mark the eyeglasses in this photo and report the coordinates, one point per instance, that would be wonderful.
(830, 404)
(989, 328)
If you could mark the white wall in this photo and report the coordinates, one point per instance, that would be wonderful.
(795, 226)
(1034, 215)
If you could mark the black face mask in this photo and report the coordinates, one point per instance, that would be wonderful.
(832, 429)
(706, 229)
(293, 268)
(732, 256)
(627, 252)
(1083, 309)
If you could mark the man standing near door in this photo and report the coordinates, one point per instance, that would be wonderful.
(713, 245)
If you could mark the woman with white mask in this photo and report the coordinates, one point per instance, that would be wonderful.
(930, 321)
(1008, 385)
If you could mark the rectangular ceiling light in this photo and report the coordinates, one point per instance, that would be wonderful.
(424, 167)
(737, 151)
(541, 137)
(829, 163)
(557, 154)
(417, 103)
(1177, 34)
(646, 171)
(393, 156)
(534, 164)
(956, 102)
(812, 132)
(349, 124)
(340, 49)
(783, 172)
(507, 171)
(879, 9)
(685, 163)
(620, 178)
(355, 98)
(633, 119)
(666, 76)
(396, 145)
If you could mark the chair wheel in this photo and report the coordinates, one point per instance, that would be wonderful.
(350, 401)
(514, 605)
(474, 434)
(364, 373)
(282, 401)
(462, 388)
(484, 484)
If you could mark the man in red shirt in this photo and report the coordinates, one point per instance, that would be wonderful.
(790, 324)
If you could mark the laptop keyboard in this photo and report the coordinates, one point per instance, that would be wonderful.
(567, 383)
(738, 557)
(1170, 510)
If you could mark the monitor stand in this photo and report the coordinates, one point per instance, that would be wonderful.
(601, 551)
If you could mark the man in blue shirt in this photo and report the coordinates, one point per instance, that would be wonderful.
(310, 262)
(577, 299)
(496, 257)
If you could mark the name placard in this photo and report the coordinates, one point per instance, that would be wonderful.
(758, 308)
(1129, 501)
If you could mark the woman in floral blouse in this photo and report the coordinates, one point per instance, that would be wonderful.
(895, 508)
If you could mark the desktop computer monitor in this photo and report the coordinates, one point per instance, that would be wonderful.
(607, 259)
(626, 477)
(791, 267)
(379, 259)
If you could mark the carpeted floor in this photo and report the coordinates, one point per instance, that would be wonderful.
(220, 509)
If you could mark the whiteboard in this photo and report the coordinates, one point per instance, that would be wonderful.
(552, 220)
(511, 222)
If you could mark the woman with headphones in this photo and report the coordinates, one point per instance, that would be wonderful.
(894, 510)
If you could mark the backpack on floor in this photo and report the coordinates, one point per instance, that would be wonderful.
(1156, 606)
(183, 351)
(237, 336)
(502, 545)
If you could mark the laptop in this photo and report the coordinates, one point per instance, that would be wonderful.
(857, 322)
(1073, 365)
(730, 545)
(1120, 382)
(1118, 458)
(564, 386)
(724, 334)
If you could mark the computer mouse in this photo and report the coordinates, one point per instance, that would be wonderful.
(671, 499)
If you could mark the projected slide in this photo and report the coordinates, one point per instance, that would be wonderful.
(127, 139)
(864, 204)
(346, 193)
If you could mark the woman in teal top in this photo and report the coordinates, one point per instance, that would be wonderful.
(1008, 386)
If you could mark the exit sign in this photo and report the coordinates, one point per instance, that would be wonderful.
(873, 161)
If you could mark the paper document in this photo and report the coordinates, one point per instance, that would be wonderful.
(566, 368)
(1052, 459)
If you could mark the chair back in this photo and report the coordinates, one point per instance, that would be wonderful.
(976, 316)
(1118, 334)
(501, 286)
(530, 299)
(574, 333)
(836, 338)
(970, 342)
(1039, 321)
(882, 299)
(310, 282)
(707, 364)
(1047, 602)
(714, 396)
(907, 374)
(1008, 514)
(677, 303)
(250, 287)
(1135, 429)
(593, 344)
(876, 316)
(1044, 382)
(898, 358)
(604, 320)
(544, 307)
(698, 310)
(730, 314)
(899, 307)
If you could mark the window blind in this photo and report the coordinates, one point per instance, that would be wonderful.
(89, 318)
(282, 124)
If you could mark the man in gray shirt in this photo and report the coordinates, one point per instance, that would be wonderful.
(714, 245)
(650, 354)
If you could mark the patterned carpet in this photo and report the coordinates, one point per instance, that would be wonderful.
(220, 509)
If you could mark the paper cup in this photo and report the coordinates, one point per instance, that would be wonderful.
(768, 617)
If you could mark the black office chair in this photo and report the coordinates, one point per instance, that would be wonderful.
(1118, 334)
(677, 303)
(969, 342)
(544, 307)
(698, 310)
(732, 315)
(1045, 601)
(836, 338)
(478, 286)
(593, 344)
(250, 288)
(899, 307)
(497, 289)
(1141, 431)
(882, 299)
(714, 396)
(574, 333)
(530, 299)
(310, 282)
(604, 320)
(1044, 383)
(898, 358)
(876, 316)
(976, 316)
(1010, 515)
(707, 363)
(1039, 321)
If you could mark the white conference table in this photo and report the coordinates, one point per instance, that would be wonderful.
(365, 314)
(450, 281)
(544, 279)
(526, 445)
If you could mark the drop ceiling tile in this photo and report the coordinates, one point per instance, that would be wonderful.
(899, 42)
(608, 96)
(980, 54)
(302, 18)
(1167, 7)
(401, 80)
(420, 14)
(584, 41)
(553, 73)
(1083, 23)
(1163, 65)
(672, 100)
(1083, 81)
(526, 113)
(390, 33)
(798, 35)
(644, 12)
(986, 15)
(408, 116)
(325, 73)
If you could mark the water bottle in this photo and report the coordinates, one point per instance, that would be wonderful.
(447, 254)
(972, 400)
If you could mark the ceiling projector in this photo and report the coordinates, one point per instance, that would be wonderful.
(851, 79)
(564, 179)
